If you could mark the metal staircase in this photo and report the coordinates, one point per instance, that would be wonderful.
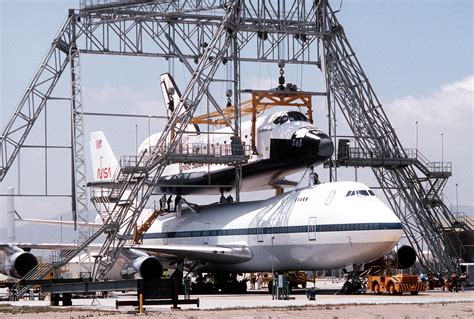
(436, 174)
(140, 231)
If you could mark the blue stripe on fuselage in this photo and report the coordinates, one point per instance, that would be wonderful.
(274, 230)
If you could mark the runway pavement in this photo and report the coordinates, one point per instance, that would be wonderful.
(261, 299)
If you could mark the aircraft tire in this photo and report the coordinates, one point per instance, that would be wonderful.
(347, 288)
(376, 288)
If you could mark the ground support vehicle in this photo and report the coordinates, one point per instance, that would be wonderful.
(395, 285)
(294, 278)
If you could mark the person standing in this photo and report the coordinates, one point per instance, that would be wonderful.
(177, 199)
(259, 281)
(463, 280)
(163, 202)
(170, 199)
(454, 280)
(252, 281)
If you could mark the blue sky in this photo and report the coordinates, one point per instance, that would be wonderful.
(418, 56)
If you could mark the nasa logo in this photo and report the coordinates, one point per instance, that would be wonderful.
(103, 173)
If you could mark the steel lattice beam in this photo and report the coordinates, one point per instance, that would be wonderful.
(35, 98)
(352, 92)
(273, 36)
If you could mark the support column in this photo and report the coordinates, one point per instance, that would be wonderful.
(10, 216)
(237, 139)
(78, 168)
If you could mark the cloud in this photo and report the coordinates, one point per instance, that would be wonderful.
(448, 109)
(116, 99)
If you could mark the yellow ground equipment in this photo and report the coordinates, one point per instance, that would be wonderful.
(395, 285)
(295, 278)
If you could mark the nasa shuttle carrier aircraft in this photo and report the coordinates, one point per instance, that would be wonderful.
(323, 226)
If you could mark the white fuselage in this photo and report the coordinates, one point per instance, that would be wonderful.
(273, 144)
(312, 228)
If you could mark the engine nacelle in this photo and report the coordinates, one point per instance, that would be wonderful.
(143, 266)
(17, 262)
(404, 257)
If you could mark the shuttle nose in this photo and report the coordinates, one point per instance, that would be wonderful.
(326, 147)
(318, 144)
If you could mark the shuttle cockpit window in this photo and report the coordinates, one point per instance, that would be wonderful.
(290, 116)
(281, 119)
(297, 116)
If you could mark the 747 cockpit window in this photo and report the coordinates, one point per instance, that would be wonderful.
(362, 192)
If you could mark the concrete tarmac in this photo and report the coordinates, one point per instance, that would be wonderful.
(264, 300)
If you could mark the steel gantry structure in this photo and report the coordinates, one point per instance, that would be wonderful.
(204, 35)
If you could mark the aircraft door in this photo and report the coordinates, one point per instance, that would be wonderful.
(205, 238)
(260, 231)
(264, 133)
(165, 235)
(312, 229)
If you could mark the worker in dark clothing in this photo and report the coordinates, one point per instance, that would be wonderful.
(177, 199)
(454, 280)
(222, 200)
(316, 179)
(169, 203)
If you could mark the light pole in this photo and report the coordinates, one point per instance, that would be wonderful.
(416, 137)
(457, 200)
(149, 135)
(61, 234)
(273, 272)
(442, 150)
(136, 138)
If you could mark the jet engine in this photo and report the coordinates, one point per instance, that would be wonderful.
(141, 265)
(403, 257)
(17, 262)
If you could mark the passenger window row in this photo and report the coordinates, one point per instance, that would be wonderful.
(302, 199)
